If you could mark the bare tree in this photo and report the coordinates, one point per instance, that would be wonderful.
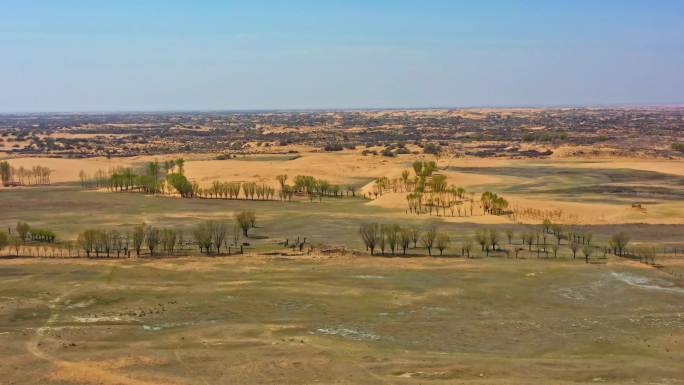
(391, 233)
(467, 248)
(405, 238)
(428, 238)
(138, 238)
(236, 233)
(574, 246)
(618, 242)
(168, 240)
(246, 220)
(415, 235)
(218, 234)
(202, 233)
(509, 235)
(587, 250)
(4, 240)
(369, 233)
(442, 242)
(152, 238)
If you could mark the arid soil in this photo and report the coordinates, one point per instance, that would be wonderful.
(338, 320)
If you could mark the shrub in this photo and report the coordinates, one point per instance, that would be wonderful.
(432, 148)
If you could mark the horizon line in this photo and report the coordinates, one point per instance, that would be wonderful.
(345, 109)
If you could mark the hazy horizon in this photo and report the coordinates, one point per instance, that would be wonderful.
(76, 56)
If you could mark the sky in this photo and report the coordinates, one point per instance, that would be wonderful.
(236, 55)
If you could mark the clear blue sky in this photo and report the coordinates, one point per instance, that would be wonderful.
(62, 55)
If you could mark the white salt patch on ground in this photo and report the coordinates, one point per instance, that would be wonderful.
(646, 283)
(368, 276)
(104, 319)
(348, 333)
(81, 304)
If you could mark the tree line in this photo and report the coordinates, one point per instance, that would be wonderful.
(392, 239)
(144, 239)
(20, 176)
(429, 192)
(168, 178)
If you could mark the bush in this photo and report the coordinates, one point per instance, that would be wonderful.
(432, 148)
(333, 147)
(388, 153)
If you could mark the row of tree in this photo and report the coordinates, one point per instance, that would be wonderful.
(168, 177)
(207, 236)
(493, 204)
(20, 176)
(392, 238)
(152, 178)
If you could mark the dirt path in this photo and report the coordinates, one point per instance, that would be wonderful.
(76, 372)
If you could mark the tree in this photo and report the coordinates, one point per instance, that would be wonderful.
(15, 243)
(202, 233)
(442, 242)
(246, 220)
(415, 235)
(87, 241)
(103, 242)
(382, 239)
(138, 238)
(4, 240)
(574, 246)
(405, 178)
(5, 173)
(509, 235)
(493, 238)
(153, 173)
(218, 234)
(119, 242)
(618, 242)
(482, 238)
(405, 238)
(428, 238)
(236, 233)
(369, 234)
(152, 238)
(168, 240)
(391, 233)
(467, 248)
(180, 162)
(281, 179)
(586, 250)
(181, 184)
(23, 229)
(528, 239)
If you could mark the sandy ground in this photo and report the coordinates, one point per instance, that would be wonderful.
(350, 167)
(339, 168)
